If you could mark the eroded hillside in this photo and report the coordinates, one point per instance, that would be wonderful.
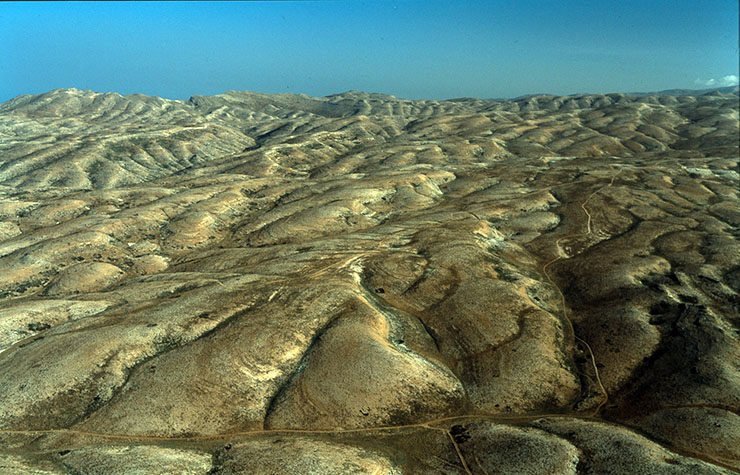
(364, 284)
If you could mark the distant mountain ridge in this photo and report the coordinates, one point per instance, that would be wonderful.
(689, 92)
(77, 97)
(665, 92)
(127, 139)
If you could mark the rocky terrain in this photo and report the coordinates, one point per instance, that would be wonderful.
(251, 283)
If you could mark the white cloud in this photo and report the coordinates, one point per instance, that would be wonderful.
(729, 80)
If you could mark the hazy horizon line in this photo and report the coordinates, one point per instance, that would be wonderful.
(685, 91)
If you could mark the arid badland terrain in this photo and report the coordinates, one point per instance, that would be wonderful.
(251, 283)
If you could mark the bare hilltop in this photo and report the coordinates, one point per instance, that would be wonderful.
(357, 283)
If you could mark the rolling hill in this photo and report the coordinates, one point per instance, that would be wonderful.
(360, 283)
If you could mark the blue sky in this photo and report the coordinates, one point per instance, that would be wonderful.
(414, 49)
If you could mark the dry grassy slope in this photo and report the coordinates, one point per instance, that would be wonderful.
(554, 280)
